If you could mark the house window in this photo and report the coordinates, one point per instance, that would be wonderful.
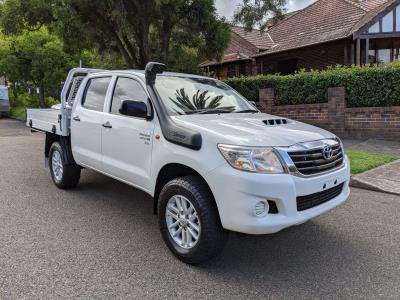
(242, 69)
(396, 54)
(288, 66)
(374, 28)
(398, 18)
(387, 22)
(384, 56)
(232, 70)
(372, 56)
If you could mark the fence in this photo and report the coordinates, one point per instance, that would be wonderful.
(362, 122)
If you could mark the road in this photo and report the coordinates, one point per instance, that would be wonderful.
(102, 241)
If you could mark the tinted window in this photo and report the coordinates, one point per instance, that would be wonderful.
(127, 89)
(96, 92)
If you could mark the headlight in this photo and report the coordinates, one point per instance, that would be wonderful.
(257, 160)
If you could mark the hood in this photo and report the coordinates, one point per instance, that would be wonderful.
(253, 129)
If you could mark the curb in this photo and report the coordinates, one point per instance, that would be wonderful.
(356, 183)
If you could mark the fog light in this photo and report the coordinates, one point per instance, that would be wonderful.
(261, 209)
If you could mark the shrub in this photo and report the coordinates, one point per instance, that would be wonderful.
(370, 85)
(50, 101)
(28, 100)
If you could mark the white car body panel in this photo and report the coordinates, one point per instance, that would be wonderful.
(134, 151)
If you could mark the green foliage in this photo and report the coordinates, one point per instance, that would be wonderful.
(28, 100)
(50, 101)
(361, 161)
(259, 13)
(137, 30)
(371, 85)
(18, 112)
(37, 59)
(32, 100)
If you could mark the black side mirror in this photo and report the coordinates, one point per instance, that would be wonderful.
(136, 109)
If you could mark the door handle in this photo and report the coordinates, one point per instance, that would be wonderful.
(107, 125)
(76, 118)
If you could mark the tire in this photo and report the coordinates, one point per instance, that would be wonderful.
(70, 174)
(211, 238)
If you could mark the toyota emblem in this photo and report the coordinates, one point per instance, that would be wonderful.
(327, 152)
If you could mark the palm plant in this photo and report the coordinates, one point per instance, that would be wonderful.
(199, 102)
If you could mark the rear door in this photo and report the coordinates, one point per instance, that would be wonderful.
(87, 121)
(127, 141)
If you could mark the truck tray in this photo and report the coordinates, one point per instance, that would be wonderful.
(45, 120)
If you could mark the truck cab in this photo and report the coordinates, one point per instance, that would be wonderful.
(212, 162)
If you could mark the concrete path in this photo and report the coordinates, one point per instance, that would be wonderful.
(382, 179)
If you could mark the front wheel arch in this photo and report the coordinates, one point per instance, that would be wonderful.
(170, 172)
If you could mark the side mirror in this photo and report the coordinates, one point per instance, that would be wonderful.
(132, 108)
(254, 103)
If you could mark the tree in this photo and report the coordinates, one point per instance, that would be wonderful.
(10, 68)
(139, 30)
(257, 13)
(36, 58)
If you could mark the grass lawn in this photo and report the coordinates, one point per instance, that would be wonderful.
(363, 161)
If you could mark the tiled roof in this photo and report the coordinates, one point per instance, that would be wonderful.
(372, 4)
(260, 39)
(321, 22)
(376, 6)
(226, 59)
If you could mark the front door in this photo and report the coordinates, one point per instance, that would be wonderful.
(127, 141)
(86, 123)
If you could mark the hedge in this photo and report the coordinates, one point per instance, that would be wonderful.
(371, 85)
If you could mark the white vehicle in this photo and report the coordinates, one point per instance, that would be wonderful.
(4, 101)
(212, 162)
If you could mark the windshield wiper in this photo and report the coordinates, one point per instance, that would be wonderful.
(214, 111)
(247, 111)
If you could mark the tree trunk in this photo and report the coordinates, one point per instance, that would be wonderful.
(15, 95)
(42, 99)
(143, 41)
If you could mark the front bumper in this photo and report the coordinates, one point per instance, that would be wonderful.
(237, 193)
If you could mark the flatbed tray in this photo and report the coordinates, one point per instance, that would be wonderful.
(45, 120)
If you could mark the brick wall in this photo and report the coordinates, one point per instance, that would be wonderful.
(313, 57)
(364, 122)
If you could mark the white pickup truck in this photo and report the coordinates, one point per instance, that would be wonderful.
(212, 162)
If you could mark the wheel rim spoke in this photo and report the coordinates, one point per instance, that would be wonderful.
(194, 226)
(183, 223)
(178, 232)
(171, 214)
(173, 225)
(192, 233)
(57, 166)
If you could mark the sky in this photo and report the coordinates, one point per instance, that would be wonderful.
(226, 8)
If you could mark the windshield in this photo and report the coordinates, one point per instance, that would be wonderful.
(190, 95)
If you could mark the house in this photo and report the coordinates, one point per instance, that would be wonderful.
(326, 33)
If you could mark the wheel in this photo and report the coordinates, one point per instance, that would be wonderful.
(189, 220)
(65, 176)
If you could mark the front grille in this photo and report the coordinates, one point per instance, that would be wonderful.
(310, 201)
(310, 162)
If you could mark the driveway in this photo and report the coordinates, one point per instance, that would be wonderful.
(102, 241)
